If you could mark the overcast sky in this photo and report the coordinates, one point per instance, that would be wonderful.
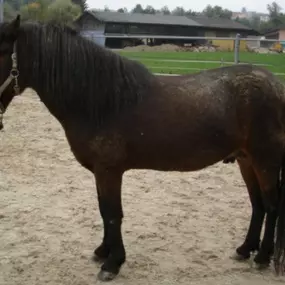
(233, 5)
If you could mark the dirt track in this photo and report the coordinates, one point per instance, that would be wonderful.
(178, 228)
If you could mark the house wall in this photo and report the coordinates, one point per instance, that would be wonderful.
(272, 36)
(220, 33)
(91, 28)
(209, 34)
(152, 29)
(278, 35)
(282, 35)
(256, 43)
(225, 45)
(148, 29)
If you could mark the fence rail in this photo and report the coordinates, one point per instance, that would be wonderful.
(138, 36)
(278, 66)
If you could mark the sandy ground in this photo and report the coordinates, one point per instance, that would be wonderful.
(178, 228)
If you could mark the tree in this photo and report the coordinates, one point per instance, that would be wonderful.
(178, 11)
(9, 12)
(14, 4)
(36, 11)
(138, 9)
(149, 10)
(123, 10)
(274, 14)
(217, 11)
(191, 13)
(61, 11)
(106, 9)
(81, 3)
(164, 10)
(244, 21)
(274, 10)
(255, 22)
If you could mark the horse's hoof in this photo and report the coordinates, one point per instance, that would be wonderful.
(239, 257)
(106, 276)
(261, 262)
(260, 266)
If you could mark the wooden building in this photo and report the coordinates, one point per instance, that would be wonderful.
(95, 24)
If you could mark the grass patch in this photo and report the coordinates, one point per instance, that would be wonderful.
(198, 65)
(272, 59)
(155, 61)
(181, 71)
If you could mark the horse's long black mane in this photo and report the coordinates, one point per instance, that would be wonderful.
(77, 77)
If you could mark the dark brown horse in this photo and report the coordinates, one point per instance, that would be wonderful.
(118, 116)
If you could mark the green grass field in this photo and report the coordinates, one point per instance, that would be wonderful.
(184, 62)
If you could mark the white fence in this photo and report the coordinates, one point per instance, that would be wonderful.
(259, 44)
(252, 42)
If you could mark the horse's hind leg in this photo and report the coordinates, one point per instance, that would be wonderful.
(267, 245)
(252, 239)
(262, 184)
(112, 249)
(267, 173)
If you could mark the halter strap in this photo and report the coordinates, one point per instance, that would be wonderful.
(14, 74)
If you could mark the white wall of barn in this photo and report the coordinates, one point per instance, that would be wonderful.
(91, 29)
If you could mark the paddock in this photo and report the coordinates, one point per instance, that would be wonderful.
(179, 228)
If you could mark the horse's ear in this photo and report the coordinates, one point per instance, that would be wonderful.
(16, 22)
(12, 28)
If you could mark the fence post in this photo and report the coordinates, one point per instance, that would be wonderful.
(236, 49)
(1, 11)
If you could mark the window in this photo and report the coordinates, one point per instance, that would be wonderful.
(222, 34)
(115, 29)
(139, 29)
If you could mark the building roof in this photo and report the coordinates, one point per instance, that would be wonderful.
(276, 29)
(158, 19)
(216, 22)
(116, 17)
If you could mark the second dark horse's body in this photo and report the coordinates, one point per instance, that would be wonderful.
(118, 116)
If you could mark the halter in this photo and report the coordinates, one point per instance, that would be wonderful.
(14, 74)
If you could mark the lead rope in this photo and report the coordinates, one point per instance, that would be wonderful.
(15, 71)
(14, 74)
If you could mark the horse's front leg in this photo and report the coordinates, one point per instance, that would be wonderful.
(111, 251)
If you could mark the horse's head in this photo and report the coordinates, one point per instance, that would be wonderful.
(8, 64)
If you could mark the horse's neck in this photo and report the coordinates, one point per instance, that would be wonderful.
(33, 80)
(34, 76)
(52, 70)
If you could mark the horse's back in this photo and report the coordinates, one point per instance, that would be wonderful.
(201, 118)
(188, 122)
(184, 121)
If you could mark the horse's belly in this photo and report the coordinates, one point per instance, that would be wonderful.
(179, 145)
(179, 152)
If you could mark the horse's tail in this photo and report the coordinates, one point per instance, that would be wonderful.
(279, 252)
